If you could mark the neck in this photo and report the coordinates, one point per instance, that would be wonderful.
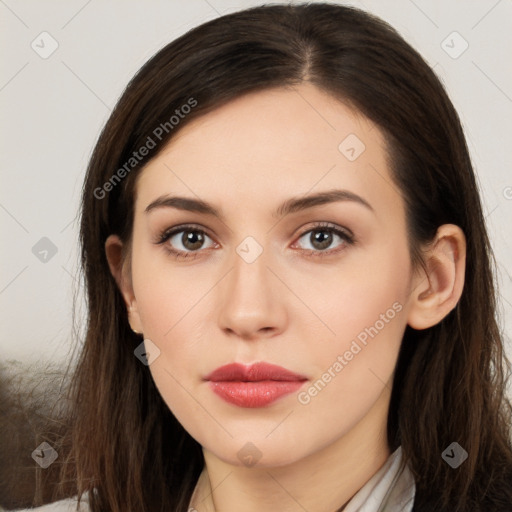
(324, 481)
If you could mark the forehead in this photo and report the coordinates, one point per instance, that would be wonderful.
(267, 146)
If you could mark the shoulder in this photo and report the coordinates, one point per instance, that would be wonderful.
(66, 505)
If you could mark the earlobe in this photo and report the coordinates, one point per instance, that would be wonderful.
(437, 290)
(121, 273)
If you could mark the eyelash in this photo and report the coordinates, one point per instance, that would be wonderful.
(345, 235)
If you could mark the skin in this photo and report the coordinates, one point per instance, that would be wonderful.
(287, 307)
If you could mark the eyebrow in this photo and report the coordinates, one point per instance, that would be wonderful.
(291, 205)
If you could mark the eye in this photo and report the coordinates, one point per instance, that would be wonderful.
(322, 236)
(184, 241)
(187, 241)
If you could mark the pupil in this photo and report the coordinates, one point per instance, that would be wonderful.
(321, 240)
(193, 238)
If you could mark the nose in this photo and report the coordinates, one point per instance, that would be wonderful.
(252, 299)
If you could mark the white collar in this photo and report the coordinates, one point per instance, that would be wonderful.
(387, 491)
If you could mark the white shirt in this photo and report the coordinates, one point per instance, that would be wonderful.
(386, 491)
(67, 505)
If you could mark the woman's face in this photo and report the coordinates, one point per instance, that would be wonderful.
(261, 282)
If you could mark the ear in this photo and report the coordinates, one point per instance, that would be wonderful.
(120, 269)
(437, 291)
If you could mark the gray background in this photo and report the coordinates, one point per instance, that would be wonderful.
(54, 108)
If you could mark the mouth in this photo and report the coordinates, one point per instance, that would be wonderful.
(253, 386)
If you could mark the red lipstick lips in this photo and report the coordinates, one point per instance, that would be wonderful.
(256, 385)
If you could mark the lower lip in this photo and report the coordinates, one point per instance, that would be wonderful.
(254, 394)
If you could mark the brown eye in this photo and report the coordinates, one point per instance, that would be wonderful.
(184, 241)
(192, 240)
(322, 237)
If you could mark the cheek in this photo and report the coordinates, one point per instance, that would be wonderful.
(355, 369)
(371, 308)
(361, 298)
(365, 308)
(165, 293)
(168, 302)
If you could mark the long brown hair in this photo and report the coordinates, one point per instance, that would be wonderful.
(121, 438)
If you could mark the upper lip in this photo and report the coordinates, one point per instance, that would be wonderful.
(253, 373)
